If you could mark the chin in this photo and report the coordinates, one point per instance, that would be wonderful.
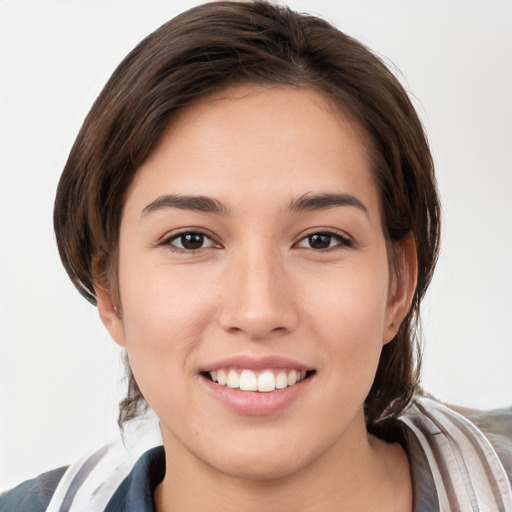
(262, 460)
(261, 468)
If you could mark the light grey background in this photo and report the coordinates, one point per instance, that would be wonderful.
(59, 371)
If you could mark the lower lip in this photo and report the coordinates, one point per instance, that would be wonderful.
(253, 402)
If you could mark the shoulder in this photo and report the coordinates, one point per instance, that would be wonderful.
(128, 486)
(467, 453)
(33, 495)
(496, 426)
(124, 471)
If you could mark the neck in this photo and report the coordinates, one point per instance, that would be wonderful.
(358, 473)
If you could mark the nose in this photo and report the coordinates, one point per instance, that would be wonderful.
(258, 297)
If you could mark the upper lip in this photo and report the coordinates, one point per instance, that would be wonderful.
(250, 362)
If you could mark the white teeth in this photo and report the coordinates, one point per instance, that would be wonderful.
(281, 380)
(265, 382)
(222, 378)
(248, 381)
(233, 380)
(292, 378)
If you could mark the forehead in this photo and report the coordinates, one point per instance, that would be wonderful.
(258, 139)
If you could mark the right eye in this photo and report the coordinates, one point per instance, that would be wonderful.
(189, 241)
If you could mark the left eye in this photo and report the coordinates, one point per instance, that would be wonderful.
(322, 241)
(190, 241)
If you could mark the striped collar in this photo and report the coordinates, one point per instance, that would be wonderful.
(454, 468)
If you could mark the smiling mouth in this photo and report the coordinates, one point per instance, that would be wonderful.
(264, 381)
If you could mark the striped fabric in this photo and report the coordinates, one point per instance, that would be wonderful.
(89, 484)
(467, 472)
(460, 465)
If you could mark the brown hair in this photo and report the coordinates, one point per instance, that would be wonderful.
(208, 48)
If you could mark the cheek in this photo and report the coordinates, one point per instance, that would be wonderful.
(167, 302)
(164, 316)
(350, 299)
(348, 313)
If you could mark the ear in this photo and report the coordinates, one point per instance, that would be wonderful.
(402, 285)
(108, 313)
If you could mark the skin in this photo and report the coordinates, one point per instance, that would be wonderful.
(258, 287)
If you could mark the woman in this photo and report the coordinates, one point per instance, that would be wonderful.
(252, 206)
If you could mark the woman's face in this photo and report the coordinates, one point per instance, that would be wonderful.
(252, 255)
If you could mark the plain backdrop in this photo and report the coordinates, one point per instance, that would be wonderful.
(60, 374)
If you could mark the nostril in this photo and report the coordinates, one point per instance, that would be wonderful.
(279, 330)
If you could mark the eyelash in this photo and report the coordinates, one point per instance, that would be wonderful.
(168, 241)
(343, 241)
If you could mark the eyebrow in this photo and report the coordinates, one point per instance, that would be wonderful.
(312, 202)
(204, 204)
(200, 204)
